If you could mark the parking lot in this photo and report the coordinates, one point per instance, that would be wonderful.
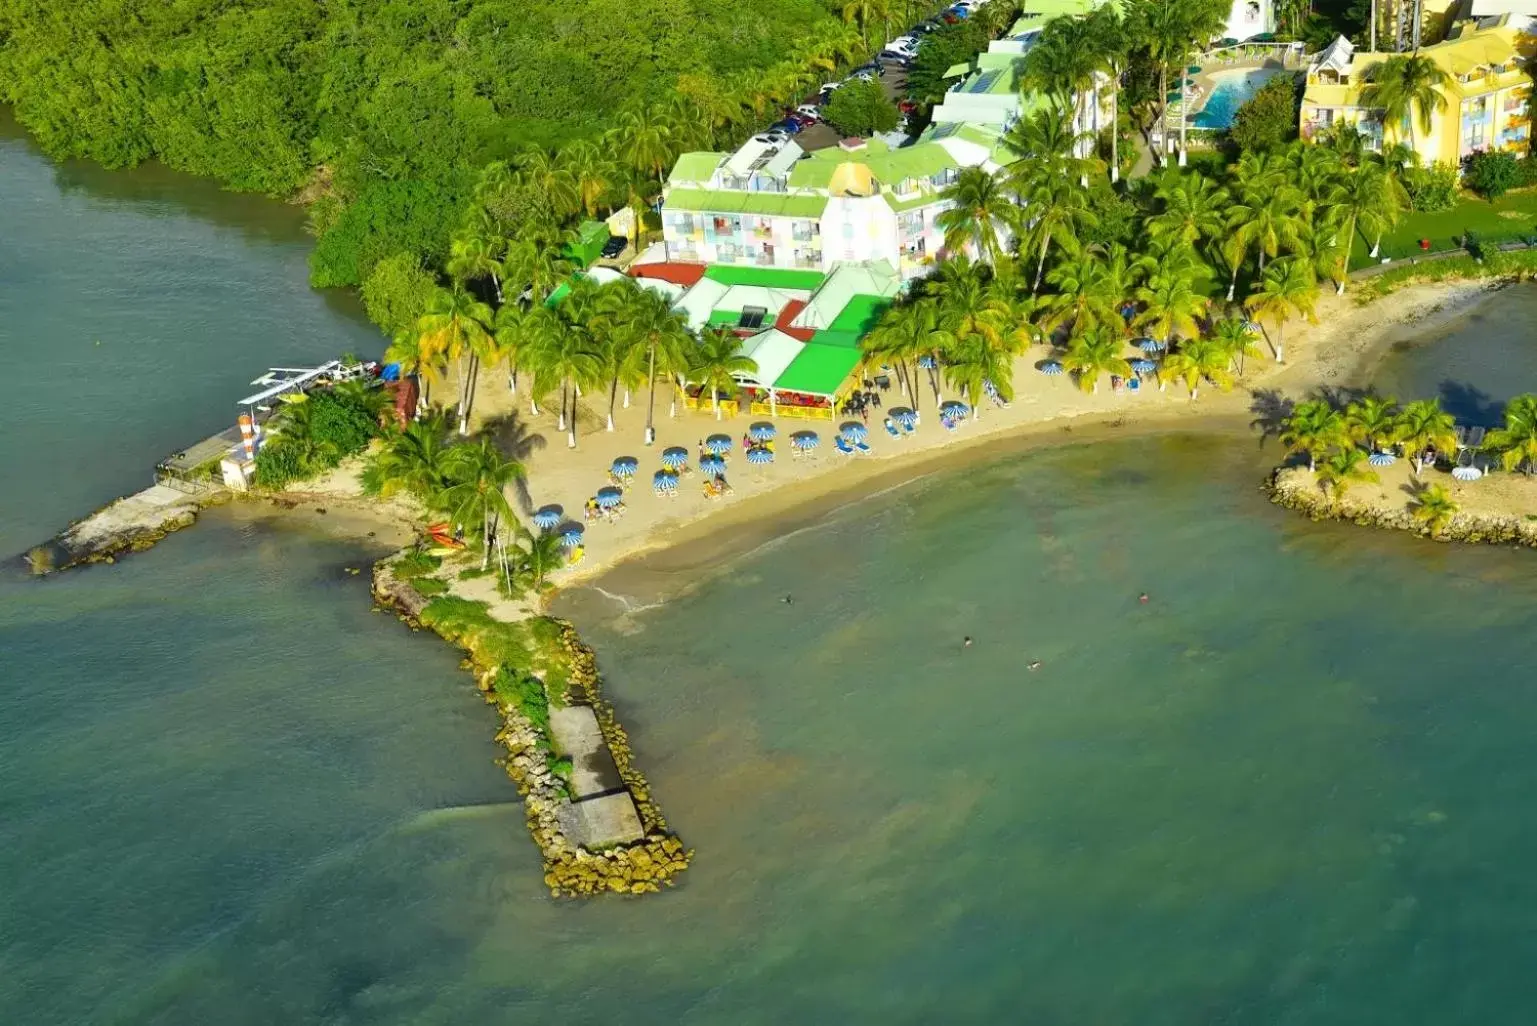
(822, 135)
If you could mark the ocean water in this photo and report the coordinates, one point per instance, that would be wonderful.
(1291, 788)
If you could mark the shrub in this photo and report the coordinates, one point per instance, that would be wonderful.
(1432, 189)
(416, 564)
(525, 693)
(396, 292)
(282, 461)
(429, 587)
(339, 423)
(1269, 118)
(1492, 173)
(861, 108)
(387, 218)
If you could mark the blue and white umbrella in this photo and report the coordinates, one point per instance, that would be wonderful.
(664, 481)
(806, 440)
(1467, 473)
(546, 517)
(1382, 459)
(854, 432)
(955, 408)
(1150, 345)
(625, 466)
(675, 457)
(759, 456)
(927, 362)
(571, 538)
(718, 444)
(1050, 367)
(609, 497)
(761, 432)
(713, 465)
(1142, 366)
(902, 415)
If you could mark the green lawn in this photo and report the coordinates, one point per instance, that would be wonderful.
(1510, 217)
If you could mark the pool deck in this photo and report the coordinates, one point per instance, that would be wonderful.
(1205, 79)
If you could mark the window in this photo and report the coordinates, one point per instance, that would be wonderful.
(725, 226)
(943, 178)
(752, 318)
(848, 232)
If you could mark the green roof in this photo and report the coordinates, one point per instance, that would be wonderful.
(729, 201)
(723, 318)
(818, 369)
(957, 70)
(917, 161)
(771, 277)
(922, 199)
(860, 315)
(838, 339)
(695, 167)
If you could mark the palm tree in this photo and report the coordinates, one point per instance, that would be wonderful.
(540, 555)
(717, 360)
(643, 139)
(651, 322)
(1269, 220)
(414, 460)
(904, 335)
(1107, 40)
(517, 330)
(1516, 442)
(1312, 427)
(866, 13)
(1408, 87)
(591, 171)
(546, 175)
(1366, 201)
(456, 327)
(1372, 421)
(980, 212)
(567, 358)
(1091, 287)
(1237, 338)
(1197, 360)
(1059, 208)
(1287, 287)
(536, 267)
(1344, 467)
(406, 350)
(1092, 354)
(1424, 425)
(976, 312)
(1194, 209)
(472, 255)
(1434, 507)
(479, 475)
(1170, 302)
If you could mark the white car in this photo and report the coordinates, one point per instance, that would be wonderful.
(904, 42)
(864, 76)
(828, 87)
(810, 111)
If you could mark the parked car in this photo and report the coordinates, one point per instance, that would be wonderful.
(907, 106)
(892, 57)
(866, 75)
(908, 41)
(614, 246)
(773, 137)
(810, 111)
(789, 126)
(828, 87)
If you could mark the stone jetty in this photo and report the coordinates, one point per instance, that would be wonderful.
(130, 524)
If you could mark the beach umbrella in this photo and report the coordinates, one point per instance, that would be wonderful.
(1049, 367)
(854, 431)
(664, 481)
(718, 444)
(1467, 473)
(712, 465)
(547, 517)
(927, 362)
(675, 457)
(904, 416)
(955, 408)
(609, 497)
(1150, 345)
(1192, 69)
(761, 432)
(1382, 459)
(806, 440)
(760, 456)
(1142, 366)
(625, 466)
(571, 537)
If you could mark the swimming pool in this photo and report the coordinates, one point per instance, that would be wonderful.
(1230, 90)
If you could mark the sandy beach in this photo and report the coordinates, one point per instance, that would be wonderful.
(1340, 349)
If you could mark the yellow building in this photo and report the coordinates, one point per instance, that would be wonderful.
(1486, 98)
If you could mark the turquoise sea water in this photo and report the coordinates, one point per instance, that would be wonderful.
(1292, 788)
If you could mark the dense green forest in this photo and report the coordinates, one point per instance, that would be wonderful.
(388, 111)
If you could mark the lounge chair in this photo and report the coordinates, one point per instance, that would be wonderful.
(861, 446)
(891, 429)
(843, 446)
(907, 427)
(1476, 436)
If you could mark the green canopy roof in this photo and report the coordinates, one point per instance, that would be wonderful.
(771, 277)
(730, 201)
(819, 370)
(695, 167)
(957, 70)
(860, 315)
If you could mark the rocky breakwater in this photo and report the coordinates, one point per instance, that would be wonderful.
(130, 524)
(1297, 489)
(615, 841)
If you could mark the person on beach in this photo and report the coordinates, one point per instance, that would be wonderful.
(966, 641)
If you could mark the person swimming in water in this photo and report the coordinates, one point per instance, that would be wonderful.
(966, 641)
(1035, 665)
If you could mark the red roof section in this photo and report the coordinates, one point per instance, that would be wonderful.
(686, 275)
(792, 310)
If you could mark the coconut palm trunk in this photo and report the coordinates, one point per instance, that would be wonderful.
(1040, 266)
(651, 401)
(1115, 128)
(613, 397)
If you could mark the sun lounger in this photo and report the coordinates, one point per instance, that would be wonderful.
(891, 429)
(907, 428)
(1476, 436)
(861, 446)
(843, 446)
